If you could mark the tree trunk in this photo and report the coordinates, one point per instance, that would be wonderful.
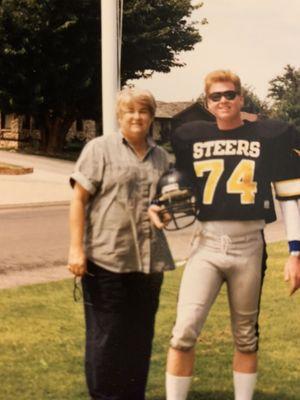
(54, 132)
(43, 131)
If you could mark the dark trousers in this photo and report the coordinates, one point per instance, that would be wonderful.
(119, 314)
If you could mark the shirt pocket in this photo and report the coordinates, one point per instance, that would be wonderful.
(127, 183)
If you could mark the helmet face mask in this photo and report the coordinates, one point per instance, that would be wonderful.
(176, 197)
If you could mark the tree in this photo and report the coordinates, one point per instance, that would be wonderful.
(253, 104)
(50, 55)
(155, 31)
(49, 63)
(284, 90)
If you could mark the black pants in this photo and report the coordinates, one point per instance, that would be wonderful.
(120, 314)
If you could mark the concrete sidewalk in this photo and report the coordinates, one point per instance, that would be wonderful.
(47, 185)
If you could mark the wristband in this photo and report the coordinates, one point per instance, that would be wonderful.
(294, 245)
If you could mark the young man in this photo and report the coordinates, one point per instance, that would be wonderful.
(121, 257)
(231, 164)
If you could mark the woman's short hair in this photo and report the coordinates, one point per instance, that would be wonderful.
(130, 95)
(222, 76)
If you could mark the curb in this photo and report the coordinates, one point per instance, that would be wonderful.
(34, 205)
(17, 170)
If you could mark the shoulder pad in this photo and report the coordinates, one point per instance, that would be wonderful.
(271, 128)
(190, 130)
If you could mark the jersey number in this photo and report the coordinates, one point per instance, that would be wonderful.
(240, 181)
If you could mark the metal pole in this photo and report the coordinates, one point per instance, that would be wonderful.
(110, 64)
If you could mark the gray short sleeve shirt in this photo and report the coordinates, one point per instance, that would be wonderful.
(118, 233)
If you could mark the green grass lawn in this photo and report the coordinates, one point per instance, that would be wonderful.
(42, 342)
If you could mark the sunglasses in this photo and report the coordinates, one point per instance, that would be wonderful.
(228, 94)
(77, 290)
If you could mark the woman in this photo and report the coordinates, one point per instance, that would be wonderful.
(118, 254)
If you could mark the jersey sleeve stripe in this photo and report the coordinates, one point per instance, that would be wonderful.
(287, 188)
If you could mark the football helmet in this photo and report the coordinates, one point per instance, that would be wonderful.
(175, 194)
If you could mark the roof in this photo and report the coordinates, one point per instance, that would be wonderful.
(249, 116)
(168, 110)
(175, 109)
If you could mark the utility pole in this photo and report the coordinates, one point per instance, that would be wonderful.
(110, 50)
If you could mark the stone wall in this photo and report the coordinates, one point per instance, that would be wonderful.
(87, 133)
(14, 136)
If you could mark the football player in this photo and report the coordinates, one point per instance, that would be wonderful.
(232, 164)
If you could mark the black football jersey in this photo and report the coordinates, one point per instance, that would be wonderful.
(232, 170)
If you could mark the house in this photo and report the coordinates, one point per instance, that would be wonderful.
(171, 115)
(17, 131)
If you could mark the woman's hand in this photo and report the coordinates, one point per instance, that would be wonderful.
(158, 216)
(77, 262)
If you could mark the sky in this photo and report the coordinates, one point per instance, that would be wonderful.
(254, 38)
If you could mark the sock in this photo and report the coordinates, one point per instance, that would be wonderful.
(244, 385)
(177, 387)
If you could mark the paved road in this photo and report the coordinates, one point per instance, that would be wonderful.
(38, 237)
(179, 241)
(33, 238)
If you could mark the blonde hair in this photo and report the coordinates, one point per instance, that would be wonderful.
(222, 76)
(130, 95)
